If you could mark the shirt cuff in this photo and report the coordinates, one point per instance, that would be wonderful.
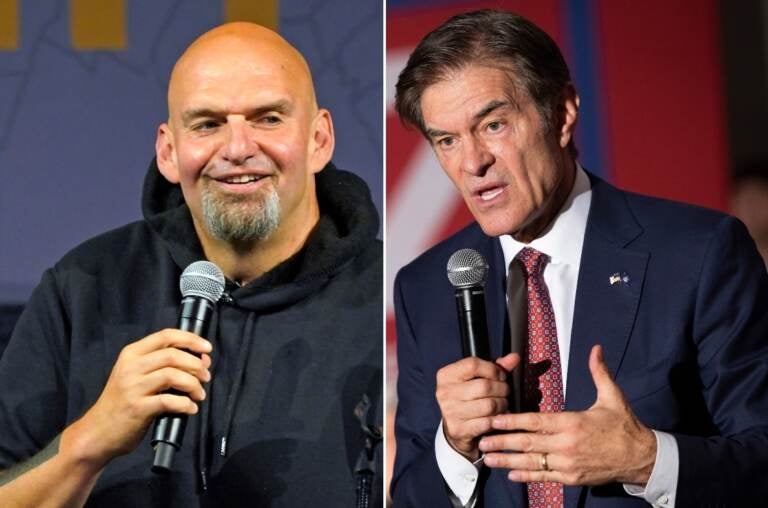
(661, 489)
(458, 472)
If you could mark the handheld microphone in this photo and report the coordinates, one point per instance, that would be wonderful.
(201, 284)
(467, 270)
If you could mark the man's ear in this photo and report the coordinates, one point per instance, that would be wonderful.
(568, 110)
(321, 142)
(166, 154)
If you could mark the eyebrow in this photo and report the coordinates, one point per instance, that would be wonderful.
(281, 106)
(434, 133)
(490, 108)
(486, 110)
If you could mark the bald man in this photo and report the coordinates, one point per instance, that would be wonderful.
(284, 395)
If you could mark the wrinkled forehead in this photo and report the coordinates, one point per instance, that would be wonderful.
(221, 57)
(468, 92)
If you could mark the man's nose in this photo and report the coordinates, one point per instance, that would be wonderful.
(476, 158)
(239, 145)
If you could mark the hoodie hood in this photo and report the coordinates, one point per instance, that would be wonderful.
(348, 224)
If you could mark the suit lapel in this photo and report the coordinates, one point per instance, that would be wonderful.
(604, 314)
(607, 295)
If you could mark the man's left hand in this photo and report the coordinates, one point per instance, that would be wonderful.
(605, 443)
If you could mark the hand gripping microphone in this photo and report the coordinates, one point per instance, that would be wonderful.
(467, 270)
(201, 284)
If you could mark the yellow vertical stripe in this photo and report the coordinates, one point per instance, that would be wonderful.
(263, 12)
(9, 24)
(97, 24)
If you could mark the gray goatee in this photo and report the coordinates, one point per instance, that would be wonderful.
(241, 218)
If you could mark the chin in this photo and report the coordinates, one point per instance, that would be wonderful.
(497, 223)
(495, 229)
(501, 220)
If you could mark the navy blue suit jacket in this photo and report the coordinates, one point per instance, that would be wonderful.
(687, 340)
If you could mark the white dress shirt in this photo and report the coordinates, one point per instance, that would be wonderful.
(562, 242)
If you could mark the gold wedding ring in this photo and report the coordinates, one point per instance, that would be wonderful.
(544, 464)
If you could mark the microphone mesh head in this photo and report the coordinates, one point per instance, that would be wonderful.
(203, 279)
(467, 267)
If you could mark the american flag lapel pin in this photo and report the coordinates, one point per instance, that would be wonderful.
(619, 278)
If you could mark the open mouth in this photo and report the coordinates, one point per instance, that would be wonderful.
(489, 194)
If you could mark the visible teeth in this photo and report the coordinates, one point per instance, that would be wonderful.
(490, 194)
(242, 179)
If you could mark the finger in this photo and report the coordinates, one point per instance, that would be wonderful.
(176, 358)
(607, 390)
(528, 467)
(170, 337)
(509, 361)
(479, 408)
(467, 429)
(169, 378)
(469, 368)
(519, 442)
(519, 461)
(549, 423)
(481, 388)
(169, 403)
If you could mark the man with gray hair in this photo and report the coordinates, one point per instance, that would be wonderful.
(285, 392)
(641, 374)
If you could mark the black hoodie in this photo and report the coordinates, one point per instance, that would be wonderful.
(295, 352)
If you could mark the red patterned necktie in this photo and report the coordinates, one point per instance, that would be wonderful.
(542, 377)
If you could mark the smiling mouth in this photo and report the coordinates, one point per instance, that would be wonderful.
(241, 179)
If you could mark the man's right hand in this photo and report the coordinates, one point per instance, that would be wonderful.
(136, 392)
(470, 392)
(64, 475)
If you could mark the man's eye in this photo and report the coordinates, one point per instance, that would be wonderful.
(495, 126)
(445, 142)
(205, 126)
(271, 119)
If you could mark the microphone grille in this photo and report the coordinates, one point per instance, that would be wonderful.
(467, 267)
(203, 279)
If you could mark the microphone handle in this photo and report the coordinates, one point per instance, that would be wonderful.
(168, 433)
(473, 324)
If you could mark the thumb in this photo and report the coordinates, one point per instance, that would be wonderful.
(508, 362)
(608, 392)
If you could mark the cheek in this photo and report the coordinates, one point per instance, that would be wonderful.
(451, 165)
(192, 158)
(287, 147)
(283, 151)
(538, 168)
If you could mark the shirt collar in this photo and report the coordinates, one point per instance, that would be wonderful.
(563, 239)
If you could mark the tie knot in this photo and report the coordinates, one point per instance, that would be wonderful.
(533, 261)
